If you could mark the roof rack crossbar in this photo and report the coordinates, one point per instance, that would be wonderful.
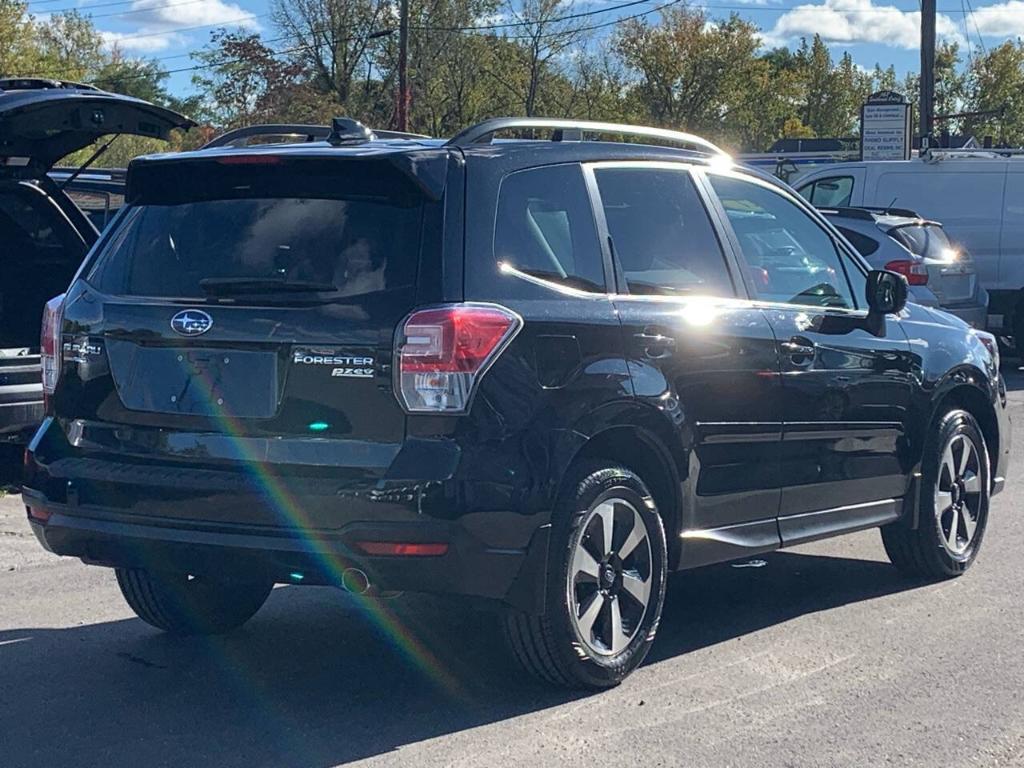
(573, 130)
(240, 137)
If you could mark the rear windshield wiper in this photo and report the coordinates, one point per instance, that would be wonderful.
(229, 286)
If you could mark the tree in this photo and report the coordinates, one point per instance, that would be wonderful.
(833, 94)
(996, 83)
(19, 54)
(333, 40)
(544, 35)
(69, 46)
(245, 82)
(703, 75)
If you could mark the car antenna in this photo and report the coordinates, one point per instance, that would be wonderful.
(92, 159)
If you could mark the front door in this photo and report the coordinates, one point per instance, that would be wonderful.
(698, 352)
(847, 377)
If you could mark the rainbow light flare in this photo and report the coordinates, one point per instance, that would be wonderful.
(289, 510)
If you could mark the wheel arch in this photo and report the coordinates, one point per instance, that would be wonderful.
(966, 389)
(642, 440)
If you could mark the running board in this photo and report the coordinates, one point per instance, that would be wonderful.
(811, 526)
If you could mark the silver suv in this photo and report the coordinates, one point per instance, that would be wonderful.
(940, 272)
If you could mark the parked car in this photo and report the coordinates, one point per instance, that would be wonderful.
(543, 373)
(978, 195)
(45, 235)
(98, 193)
(939, 273)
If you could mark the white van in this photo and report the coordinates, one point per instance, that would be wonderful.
(977, 195)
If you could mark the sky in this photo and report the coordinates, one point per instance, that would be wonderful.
(886, 32)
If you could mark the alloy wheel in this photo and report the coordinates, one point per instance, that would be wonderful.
(958, 494)
(610, 577)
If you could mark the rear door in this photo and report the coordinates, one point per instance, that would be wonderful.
(698, 352)
(847, 379)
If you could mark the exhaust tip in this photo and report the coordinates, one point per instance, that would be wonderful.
(355, 581)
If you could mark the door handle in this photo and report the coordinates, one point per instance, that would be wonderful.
(800, 350)
(656, 345)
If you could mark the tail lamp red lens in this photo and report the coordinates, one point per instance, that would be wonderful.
(403, 548)
(913, 269)
(50, 344)
(443, 352)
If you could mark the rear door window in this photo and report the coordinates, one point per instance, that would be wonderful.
(545, 227)
(661, 234)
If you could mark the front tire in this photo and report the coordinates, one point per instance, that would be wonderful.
(606, 583)
(183, 604)
(953, 503)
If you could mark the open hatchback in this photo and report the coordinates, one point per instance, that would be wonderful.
(45, 235)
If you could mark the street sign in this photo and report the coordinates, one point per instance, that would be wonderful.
(885, 127)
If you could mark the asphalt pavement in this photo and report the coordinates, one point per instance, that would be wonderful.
(821, 656)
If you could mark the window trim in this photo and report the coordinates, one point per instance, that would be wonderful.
(740, 290)
(845, 253)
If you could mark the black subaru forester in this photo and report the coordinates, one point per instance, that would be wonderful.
(544, 371)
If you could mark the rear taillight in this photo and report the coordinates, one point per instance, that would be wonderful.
(441, 354)
(49, 344)
(913, 269)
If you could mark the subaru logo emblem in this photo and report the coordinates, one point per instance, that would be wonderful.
(191, 322)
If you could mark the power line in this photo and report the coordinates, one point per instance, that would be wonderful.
(382, 33)
(417, 28)
(977, 29)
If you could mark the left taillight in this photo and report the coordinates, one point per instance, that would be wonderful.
(50, 344)
(441, 354)
(913, 269)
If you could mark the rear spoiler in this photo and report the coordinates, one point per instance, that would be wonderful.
(179, 178)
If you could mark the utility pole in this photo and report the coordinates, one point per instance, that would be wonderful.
(402, 113)
(927, 107)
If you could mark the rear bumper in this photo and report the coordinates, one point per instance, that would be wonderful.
(102, 536)
(975, 315)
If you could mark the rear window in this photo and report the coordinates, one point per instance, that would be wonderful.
(348, 246)
(926, 240)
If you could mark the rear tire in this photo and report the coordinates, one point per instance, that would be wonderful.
(953, 503)
(190, 605)
(605, 586)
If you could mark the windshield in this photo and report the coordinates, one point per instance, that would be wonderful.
(926, 240)
(261, 246)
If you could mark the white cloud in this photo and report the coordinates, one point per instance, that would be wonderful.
(155, 25)
(183, 13)
(859, 21)
(149, 43)
(999, 20)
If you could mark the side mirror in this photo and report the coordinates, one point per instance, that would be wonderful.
(886, 292)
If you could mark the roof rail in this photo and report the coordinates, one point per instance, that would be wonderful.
(935, 154)
(38, 83)
(240, 137)
(573, 130)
